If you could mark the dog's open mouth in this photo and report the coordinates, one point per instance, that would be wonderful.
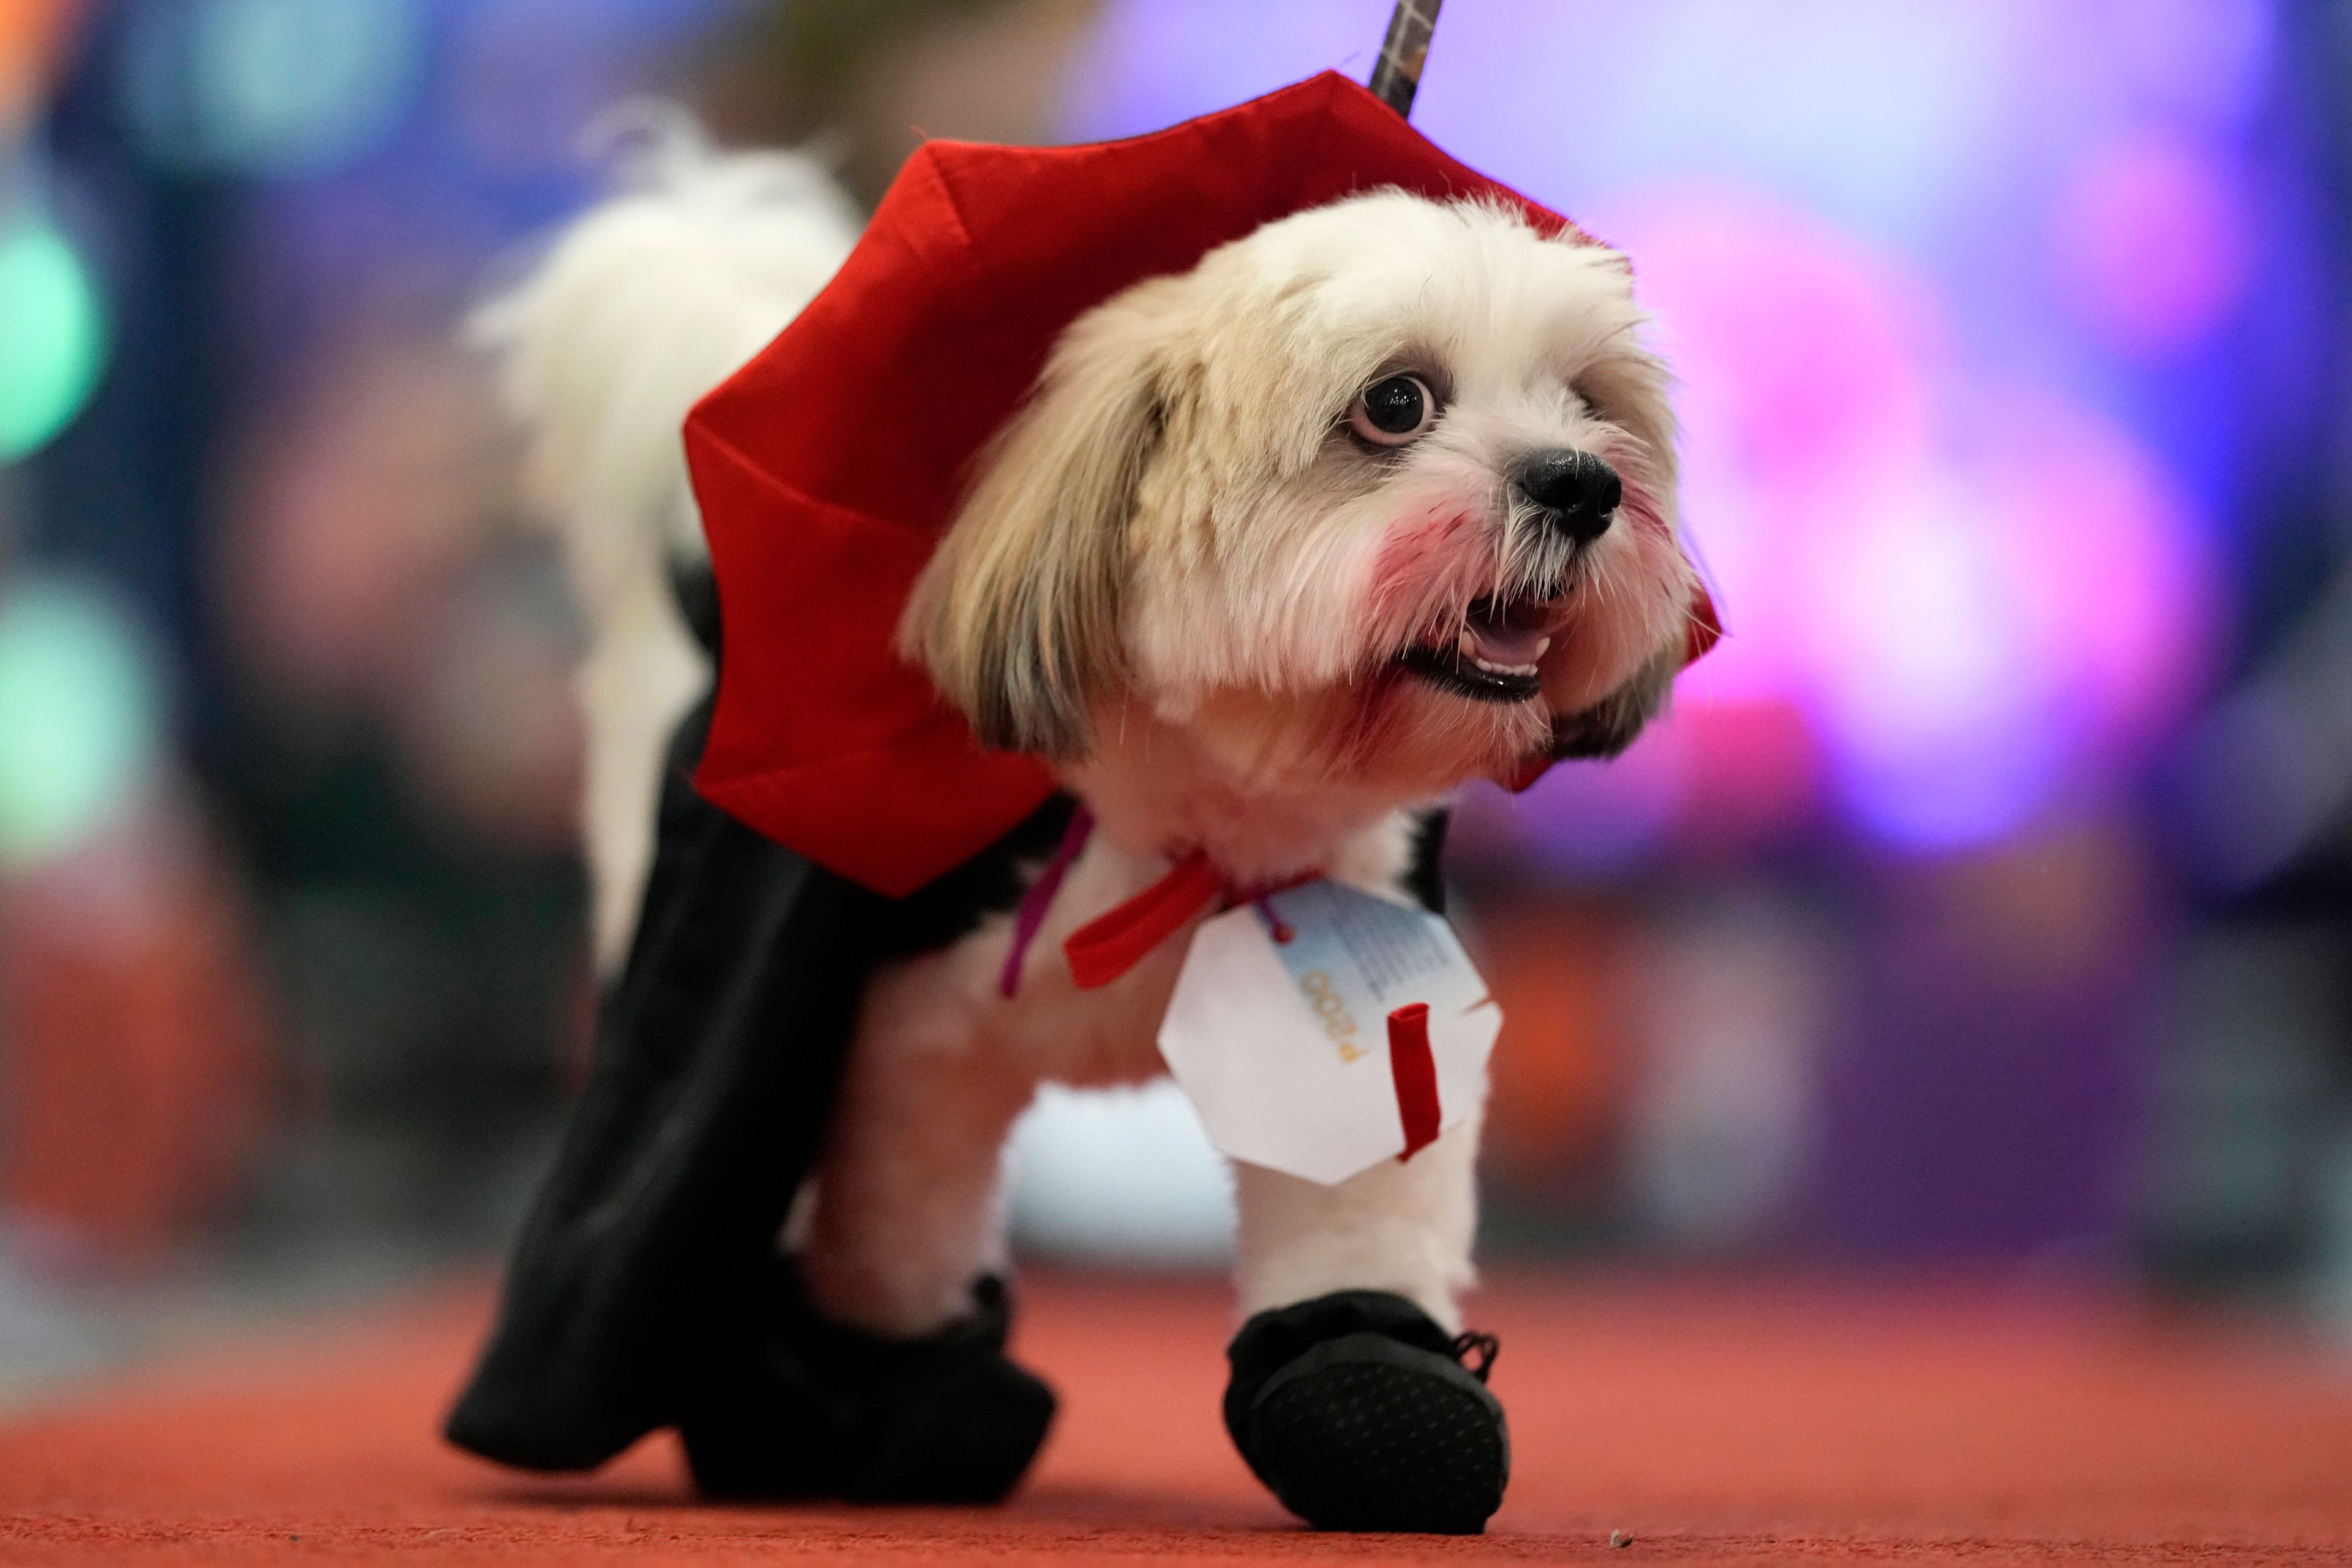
(1492, 656)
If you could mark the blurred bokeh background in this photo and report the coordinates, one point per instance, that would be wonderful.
(1986, 903)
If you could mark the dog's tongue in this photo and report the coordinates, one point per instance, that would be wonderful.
(1509, 635)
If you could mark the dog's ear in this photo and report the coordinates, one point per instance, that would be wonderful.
(1017, 616)
(1612, 724)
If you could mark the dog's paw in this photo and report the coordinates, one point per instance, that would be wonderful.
(1356, 1409)
(816, 1410)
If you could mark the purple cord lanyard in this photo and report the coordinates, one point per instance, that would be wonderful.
(1031, 916)
(1040, 897)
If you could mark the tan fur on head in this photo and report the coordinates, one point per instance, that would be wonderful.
(1178, 532)
(1017, 616)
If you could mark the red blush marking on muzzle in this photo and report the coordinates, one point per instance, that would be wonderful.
(1423, 565)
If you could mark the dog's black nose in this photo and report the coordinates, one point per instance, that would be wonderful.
(1577, 492)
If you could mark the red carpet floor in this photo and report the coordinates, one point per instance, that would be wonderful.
(1771, 1423)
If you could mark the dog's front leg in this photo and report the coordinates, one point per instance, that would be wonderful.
(1350, 1396)
(1402, 1227)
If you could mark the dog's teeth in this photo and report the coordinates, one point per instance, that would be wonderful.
(1503, 669)
(1542, 646)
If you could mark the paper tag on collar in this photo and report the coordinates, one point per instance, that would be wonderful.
(1312, 1054)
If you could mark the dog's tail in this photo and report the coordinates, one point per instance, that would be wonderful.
(634, 312)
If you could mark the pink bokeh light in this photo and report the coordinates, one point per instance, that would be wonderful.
(2150, 238)
(1979, 592)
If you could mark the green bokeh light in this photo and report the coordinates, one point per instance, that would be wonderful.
(52, 337)
(270, 86)
(80, 719)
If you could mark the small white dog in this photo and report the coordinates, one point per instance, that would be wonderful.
(1375, 500)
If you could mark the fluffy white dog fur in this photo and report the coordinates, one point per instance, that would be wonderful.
(638, 309)
(1193, 576)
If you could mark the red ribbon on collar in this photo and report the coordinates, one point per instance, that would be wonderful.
(1114, 943)
(1109, 946)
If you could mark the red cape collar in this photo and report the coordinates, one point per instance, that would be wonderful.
(827, 468)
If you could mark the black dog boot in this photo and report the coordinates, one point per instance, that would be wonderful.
(806, 1408)
(1356, 1409)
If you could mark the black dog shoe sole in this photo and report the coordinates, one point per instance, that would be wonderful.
(1372, 1429)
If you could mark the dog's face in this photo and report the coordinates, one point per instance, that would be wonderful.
(1382, 493)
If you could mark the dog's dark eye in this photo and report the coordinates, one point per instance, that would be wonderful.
(1392, 412)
